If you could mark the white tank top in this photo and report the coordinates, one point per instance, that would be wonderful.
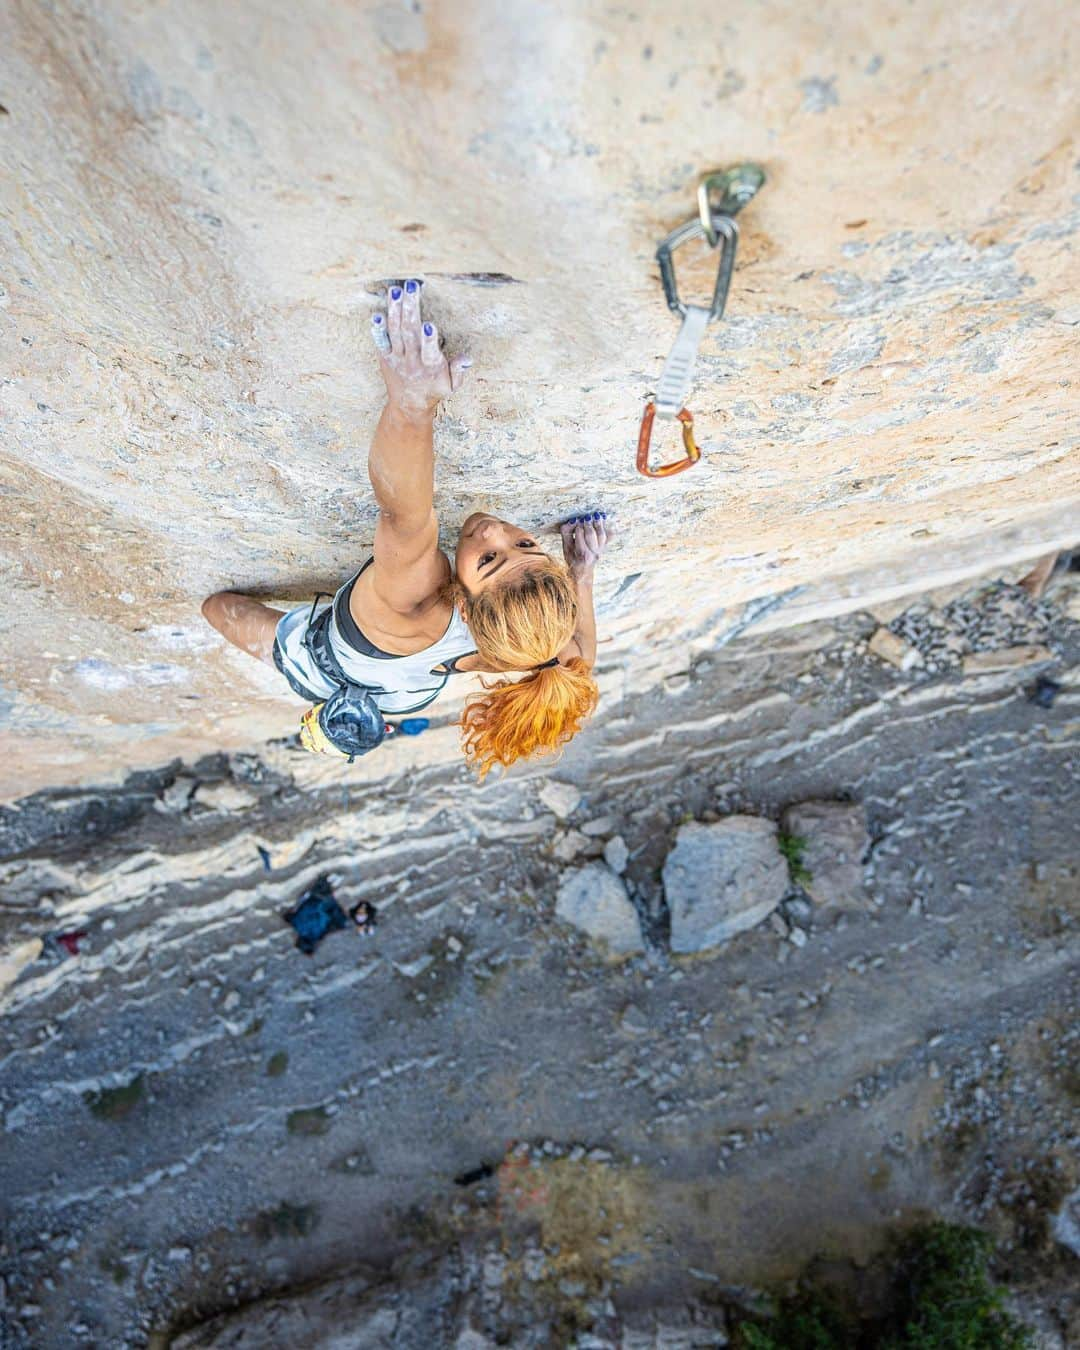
(398, 684)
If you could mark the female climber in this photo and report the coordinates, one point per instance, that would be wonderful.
(388, 641)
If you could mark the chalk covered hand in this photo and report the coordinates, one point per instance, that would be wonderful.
(418, 376)
(584, 540)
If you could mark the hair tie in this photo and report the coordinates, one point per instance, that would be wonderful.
(544, 664)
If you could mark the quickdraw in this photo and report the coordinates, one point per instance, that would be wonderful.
(716, 224)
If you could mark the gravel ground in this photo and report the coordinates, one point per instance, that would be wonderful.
(471, 1118)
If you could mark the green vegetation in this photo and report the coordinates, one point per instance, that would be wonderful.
(811, 1320)
(941, 1299)
(285, 1221)
(308, 1120)
(948, 1300)
(115, 1103)
(279, 1062)
(793, 846)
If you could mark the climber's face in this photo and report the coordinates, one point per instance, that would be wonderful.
(490, 550)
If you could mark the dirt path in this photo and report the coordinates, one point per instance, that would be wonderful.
(195, 1114)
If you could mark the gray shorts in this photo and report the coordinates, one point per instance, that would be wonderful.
(294, 660)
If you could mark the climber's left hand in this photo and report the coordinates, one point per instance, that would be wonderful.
(418, 375)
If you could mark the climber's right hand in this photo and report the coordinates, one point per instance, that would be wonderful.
(418, 375)
(584, 540)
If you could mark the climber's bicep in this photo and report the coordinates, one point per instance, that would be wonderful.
(408, 567)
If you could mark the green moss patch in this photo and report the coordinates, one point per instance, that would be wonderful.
(309, 1120)
(285, 1221)
(116, 1103)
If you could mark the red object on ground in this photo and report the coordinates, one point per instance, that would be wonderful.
(70, 941)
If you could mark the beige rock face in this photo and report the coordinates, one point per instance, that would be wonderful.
(202, 204)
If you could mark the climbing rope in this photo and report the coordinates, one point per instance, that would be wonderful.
(720, 197)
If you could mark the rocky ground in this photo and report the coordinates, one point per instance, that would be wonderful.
(561, 1096)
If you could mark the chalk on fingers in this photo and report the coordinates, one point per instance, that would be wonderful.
(379, 334)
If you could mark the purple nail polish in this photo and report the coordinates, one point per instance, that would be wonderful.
(428, 330)
(376, 318)
(411, 287)
(395, 292)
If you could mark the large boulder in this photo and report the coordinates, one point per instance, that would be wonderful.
(722, 878)
(593, 899)
(834, 842)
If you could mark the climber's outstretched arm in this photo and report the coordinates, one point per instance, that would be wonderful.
(408, 567)
(583, 544)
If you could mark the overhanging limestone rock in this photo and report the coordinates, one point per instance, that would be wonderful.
(198, 234)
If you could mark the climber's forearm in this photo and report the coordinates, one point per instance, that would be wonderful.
(401, 464)
(584, 540)
(585, 632)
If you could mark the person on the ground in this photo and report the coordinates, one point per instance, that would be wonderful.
(407, 620)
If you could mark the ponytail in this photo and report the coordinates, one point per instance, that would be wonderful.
(521, 626)
(515, 719)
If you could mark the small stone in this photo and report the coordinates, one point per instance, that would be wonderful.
(177, 796)
(411, 969)
(797, 909)
(599, 825)
(633, 1021)
(561, 799)
(494, 1270)
(17, 958)
(593, 899)
(533, 1265)
(471, 1339)
(568, 844)
(797, 937)
(225, 797)
(616, 854)
(231, 1001)
(1006, 658)
(888, 647)
(1066, 1223)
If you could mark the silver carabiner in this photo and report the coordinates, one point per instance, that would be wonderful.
(728, 231)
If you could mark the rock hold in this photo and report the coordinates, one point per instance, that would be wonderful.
(593, 899)
(722, 879)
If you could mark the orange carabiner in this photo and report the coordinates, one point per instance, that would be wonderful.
(693, 454)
